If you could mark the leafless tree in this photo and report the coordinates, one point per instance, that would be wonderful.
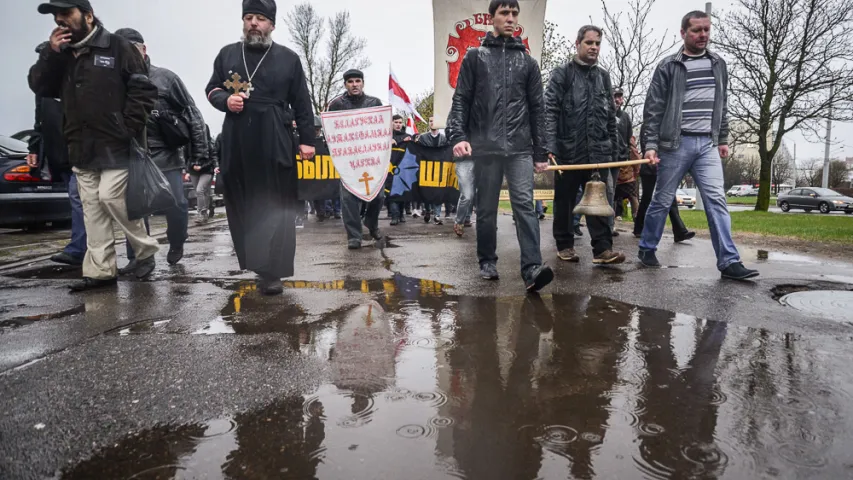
(809, 172)
(328, 48)
(784, 55)
(782, 171)
(556, 51)
(632, 51)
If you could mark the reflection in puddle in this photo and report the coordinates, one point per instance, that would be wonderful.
(428, 386)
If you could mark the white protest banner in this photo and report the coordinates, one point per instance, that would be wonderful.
(461, 25)
(360, 146)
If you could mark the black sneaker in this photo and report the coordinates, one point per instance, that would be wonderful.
(175, 255)
(144, 268)
(737, 271)
(684, 237)
(577, 231)
(92, 284)
(489, 271)
(426, 217)
(354, 244)
(337, 216)
(129, 268)
(648, 258)
(615, 233)
(438, 221)
(63, 257)
(395, 222)
(270, 285)
(539, 278)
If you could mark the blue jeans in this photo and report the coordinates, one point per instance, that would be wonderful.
(177, 218)
(465, 174)
(489, 173)
(77, 247)
(700, 157)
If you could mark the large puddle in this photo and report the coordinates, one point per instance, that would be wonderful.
(424, 385)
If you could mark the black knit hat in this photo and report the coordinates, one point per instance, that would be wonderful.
(130, 35)
(266, 8)
(353, 73)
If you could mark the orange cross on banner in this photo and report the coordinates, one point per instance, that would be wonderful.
(366, 179)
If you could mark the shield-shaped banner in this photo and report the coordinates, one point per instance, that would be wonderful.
(360, 145)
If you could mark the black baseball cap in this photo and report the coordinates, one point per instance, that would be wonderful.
(55, 5)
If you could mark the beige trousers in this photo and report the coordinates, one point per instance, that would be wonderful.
(102, 193)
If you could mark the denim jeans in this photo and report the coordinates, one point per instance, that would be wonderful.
(465, 174)
(203, 193)
(700, 157)
(77, 247)
(678, 227)
(177, 217)
(610, 178)
(576, 220)
(489, 174)
(396, 210)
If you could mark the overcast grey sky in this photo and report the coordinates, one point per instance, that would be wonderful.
(186, 35)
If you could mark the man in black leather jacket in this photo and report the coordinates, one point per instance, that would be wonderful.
(354, 99)
(174, 96)
(498, 119)
(581, 129)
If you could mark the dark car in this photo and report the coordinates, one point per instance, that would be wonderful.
(29, 199)
(813, 198)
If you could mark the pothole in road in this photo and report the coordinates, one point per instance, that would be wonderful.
(22, 321)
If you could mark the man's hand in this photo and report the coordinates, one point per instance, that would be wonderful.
(306, 152)
(724, 151)
(186, 177)
(197, 168)
(58, 37)
(32, 160)
(407, 139)
(652, 155)
(540, 167)
(235, 102)
(216, 170)
(462, 149)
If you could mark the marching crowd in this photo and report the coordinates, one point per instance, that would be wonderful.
(98, 94)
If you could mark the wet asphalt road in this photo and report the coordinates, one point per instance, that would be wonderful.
(401, 363)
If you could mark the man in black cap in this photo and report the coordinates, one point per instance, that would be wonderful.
(354, 99)
(106, 96)
(261, 87)
(175, 110)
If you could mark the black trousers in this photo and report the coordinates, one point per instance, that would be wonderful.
(565, 199)
(649, 182)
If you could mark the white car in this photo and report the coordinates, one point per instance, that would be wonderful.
(742, 191)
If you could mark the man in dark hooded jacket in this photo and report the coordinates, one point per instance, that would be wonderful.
(174, 100)
(498, 118)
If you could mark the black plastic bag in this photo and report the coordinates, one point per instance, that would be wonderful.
(148, 191)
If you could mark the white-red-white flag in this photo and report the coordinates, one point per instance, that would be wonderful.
(411, 127)
(398, 97)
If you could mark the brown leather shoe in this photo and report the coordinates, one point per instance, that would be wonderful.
(609, 257)
(568, 255)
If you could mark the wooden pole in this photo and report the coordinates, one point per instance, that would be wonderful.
(597, 166)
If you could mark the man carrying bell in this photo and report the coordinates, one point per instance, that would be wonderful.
(261, 87)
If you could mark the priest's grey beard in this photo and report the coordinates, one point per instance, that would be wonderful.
(257, 40)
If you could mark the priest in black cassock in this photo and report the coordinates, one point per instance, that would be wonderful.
(261, 87)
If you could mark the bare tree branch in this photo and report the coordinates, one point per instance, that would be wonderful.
(325, 66)
(632, 51)
(784, 57)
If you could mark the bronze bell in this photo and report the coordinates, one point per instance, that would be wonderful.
(594, 202)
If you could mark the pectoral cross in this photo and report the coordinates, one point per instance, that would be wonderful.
(238, 85)
(366, 178)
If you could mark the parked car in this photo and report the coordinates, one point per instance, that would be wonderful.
(684, 199)
(812, 198)
(28, 199)
(742, 191)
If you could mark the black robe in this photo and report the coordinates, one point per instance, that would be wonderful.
(258, 154)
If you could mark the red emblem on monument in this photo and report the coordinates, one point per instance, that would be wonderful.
(469, 34)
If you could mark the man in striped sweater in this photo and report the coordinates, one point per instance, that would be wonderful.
(686, 129)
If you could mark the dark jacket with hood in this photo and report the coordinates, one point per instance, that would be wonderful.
(581, 115)
(106, 96)
(498, 105)
(173, 95)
